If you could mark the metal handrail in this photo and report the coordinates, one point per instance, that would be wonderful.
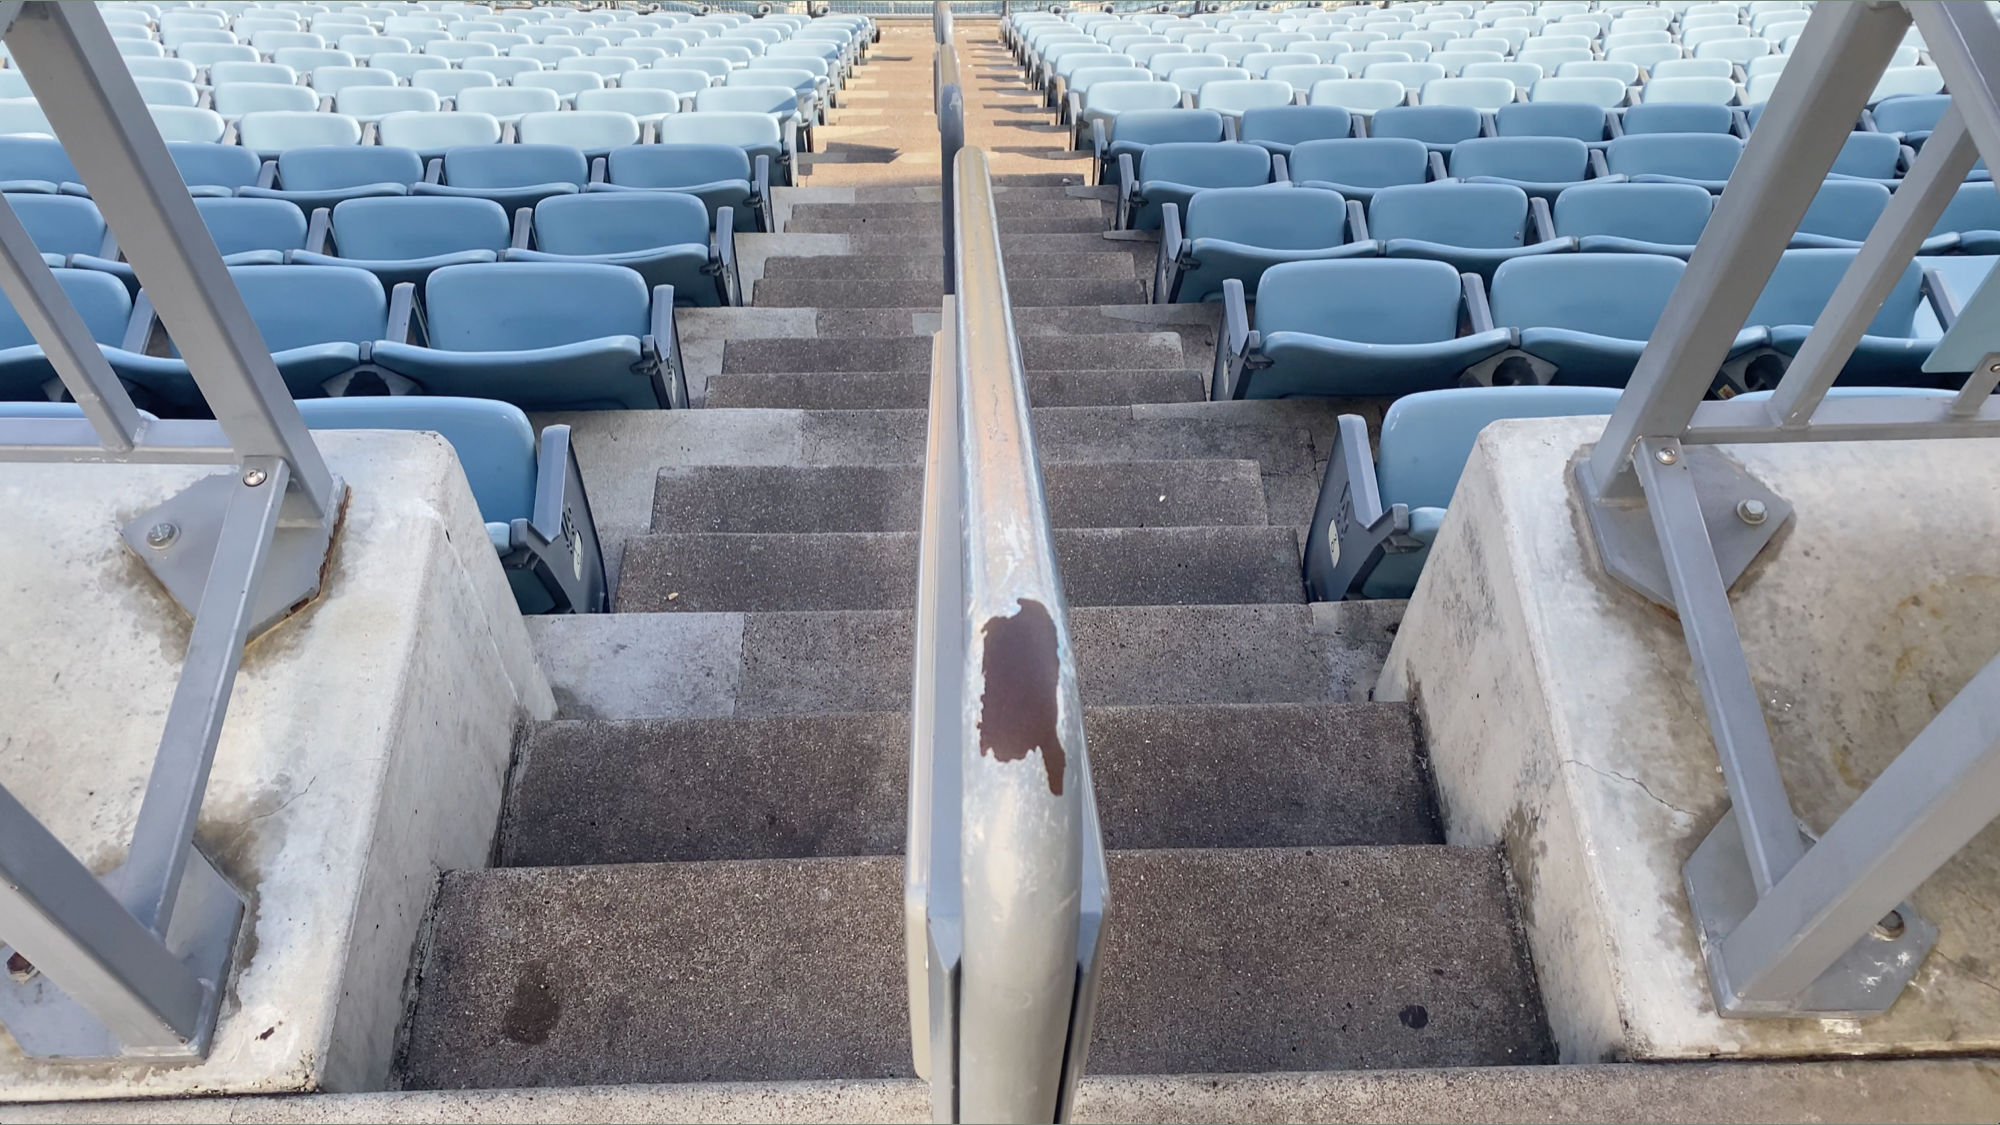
(1005, 887)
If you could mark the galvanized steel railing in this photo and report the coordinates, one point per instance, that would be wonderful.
(1005, 883)
(1791, 926)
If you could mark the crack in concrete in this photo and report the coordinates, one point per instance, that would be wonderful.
(1643, 787)
(1967, 973)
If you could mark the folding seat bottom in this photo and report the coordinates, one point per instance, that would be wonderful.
(1302, 364)
(611, 373)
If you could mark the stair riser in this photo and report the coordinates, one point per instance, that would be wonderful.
(930, 267)
(857, 390)
(903, 294)
(1122, 352)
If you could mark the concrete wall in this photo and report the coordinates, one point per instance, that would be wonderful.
(364, 749)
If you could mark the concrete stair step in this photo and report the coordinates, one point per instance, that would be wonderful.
(1126, 351)
(1067, 216)
(647, 790)
(869, 293)
(930, 267)
(751, 498)
(1229, 960)
(927, 240)
(866, 390)
(776, 571)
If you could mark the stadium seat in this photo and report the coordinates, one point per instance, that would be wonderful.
(1676, 117)
(1578, 120)
(1484, 94)
(370, 104)
(432, 133)
(503, 70)
(1842, 213)
(1233, 97)
(214, 170)
(1634, 218)
(664, 235)
(647, 107)
(1472, 227)
(451, 84)
(757, 134)
(1792, 300)
(508, 104)
(1972, 218)
(1439, 127)
(318, 322)
(62, 226)
(545, 336)
(1906, 81)
(1358, 96)
(1870, 156)
(248, 232)
(1539, 166)
(1604, 93)
(36, 164)
(594, 132)
(1351, 328)
(25, 371)
(1173, 172)
(1908, 118)
(1240, 232)
(533, 501)
(1703, 159)
(275, 133)
(1279, 128)
(403, 238)
(1358, 167)
(514, 176)
(719, 175)
(1583, 319)
(322, 176)
(1376, 518)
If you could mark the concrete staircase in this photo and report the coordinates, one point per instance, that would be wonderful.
(698, 875)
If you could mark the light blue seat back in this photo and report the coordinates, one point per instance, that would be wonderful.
(1805, 279)
(60, 224)
(1115, 99)
(1361, 161)
(493, 440)
(1480, 216)
(298, 306)
(1617, 295)
(515, 165)
(1974, 206)
(433, 133)
(1282, 126)
(524, 306)
(1432, 124)
(1694, 156)
(211, 165)
(35, 160)
(333, 167)
(1665, 214)
(1205, 164)
(1273, 217)
(746, 130)
(1677, 117)
(1166, 126)
(397, 228)
(1843, 208)
(620, 222)
(1910, 113)
(1428, 436)
(677, 165)
(1578, 120)
(241, 225)
(1868, 154)
(1542, 160)
(100, 299)
(1385, 301)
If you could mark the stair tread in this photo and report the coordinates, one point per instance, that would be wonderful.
(893, 390)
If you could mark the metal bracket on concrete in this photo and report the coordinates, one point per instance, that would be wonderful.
(1865, 981)
(1741, 514)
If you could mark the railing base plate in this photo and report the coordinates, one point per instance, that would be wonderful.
(1630, 552)
(46, 1023)
(1865, 981)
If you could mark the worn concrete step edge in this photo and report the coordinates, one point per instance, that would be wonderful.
(892, 390)
(1083, 352)
(897, 293)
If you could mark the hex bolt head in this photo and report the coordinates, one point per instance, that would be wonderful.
(254, 477)
(1667, 457)
(160, 536)
(1752, 512)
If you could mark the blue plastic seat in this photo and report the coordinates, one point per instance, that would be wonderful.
(1577, 120)
(1703, 159)
(1351, 328)
(1174, 172)
(325, 175)
(1438, 126)
(1280, 127)
(318, 321)
(1136, 130)
(545, 336)
(1634, 218)
(214, 170)
(37, 164)
(62, 226)
(719, 175)
(1358, 167)
(248, 232)
(1909, 118)
(1973, 217)
(1677, 117)
(757, 134)
(1792, 300)
(1241, 232)
(1870, 156)
(1375, 520)
(1583, 319)
(25, 372)
(536, 510)
(664, 235)
(1472, 227)
(403, 238)
(1540, 166)
(1844, 211)
(514, 176)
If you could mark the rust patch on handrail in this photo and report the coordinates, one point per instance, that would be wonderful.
(1017, 713)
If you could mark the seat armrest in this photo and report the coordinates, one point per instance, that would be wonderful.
(1236, 346)
(1489, 125)
(760, 186)
(559, 543)
(1128, 191)
(1167, 264)
(1906, 158)
(1187, 99)
(1357, 221)
(1100, 140)
(434, 170)
(1281, 168)
(599, 166)
(1072, 108)
(1868, 122)
(1939, 296)
(108, 249)
(1229, 128)
(319, 231)
(325, 103)
(790, 149)
(1599, 167)
(267, 174)
(1478, 313)
(1614, 124)
(139, 330)
(524, 228)
(663, 350)
(1739, 122)
(729, 278)
(1350, 531)
(402, 312)
(1437, 169)
(1539, 217)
